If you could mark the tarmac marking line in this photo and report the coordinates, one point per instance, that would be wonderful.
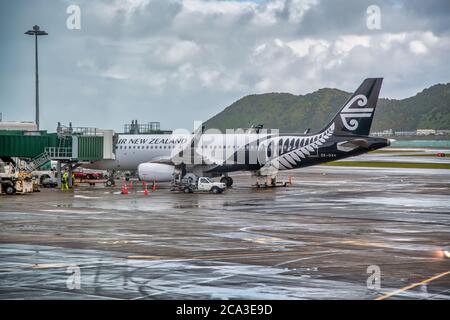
(309, 258)
(144, 257)
(242, 255)
(411, 286)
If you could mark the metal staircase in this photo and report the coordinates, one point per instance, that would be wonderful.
(40, 160)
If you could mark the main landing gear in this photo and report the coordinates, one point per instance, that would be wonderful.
(110, 182)
(227, 180)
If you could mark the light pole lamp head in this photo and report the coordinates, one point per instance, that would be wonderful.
(36, 31)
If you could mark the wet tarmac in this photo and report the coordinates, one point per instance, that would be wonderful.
(314, 240)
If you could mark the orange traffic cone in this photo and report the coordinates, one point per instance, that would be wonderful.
(290, 180)
(154, 185)
(145, 188)
(124, 188)
(131, 184)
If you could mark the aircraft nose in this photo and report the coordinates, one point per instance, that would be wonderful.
(140, 170)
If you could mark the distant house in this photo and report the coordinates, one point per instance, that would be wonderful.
(405, 133)
(389, 132)
(442, 132)
(425, 132)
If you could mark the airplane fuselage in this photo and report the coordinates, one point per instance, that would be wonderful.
(235, 152)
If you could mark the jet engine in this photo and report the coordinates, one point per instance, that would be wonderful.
(155, 172)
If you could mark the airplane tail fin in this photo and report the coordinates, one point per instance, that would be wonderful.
(356, 115)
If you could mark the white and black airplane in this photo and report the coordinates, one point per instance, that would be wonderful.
(264, 153)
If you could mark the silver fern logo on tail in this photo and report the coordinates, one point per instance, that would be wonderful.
(308, 146)
(354, 113)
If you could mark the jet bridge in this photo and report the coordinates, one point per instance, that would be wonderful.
(69, 145)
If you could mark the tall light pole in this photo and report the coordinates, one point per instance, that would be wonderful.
(36, 32)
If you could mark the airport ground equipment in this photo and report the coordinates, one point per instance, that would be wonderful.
(202, 184)
(46, 178)
(269, 178)
(271, 182)
(14, 181)
(86, 174)
(93, 182)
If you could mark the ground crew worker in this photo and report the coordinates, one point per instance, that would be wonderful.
(183, 169)
(64, 181)
(73, 179)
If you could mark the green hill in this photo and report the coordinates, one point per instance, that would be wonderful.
(290, 113)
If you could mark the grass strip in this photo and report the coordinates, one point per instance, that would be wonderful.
(370, 164)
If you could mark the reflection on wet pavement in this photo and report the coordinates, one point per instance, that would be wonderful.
(313, 240)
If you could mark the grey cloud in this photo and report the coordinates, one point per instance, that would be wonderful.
(176, 61)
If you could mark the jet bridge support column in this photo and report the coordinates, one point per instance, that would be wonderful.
(70, 176)
(58, 173)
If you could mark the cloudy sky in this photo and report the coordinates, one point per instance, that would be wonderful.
(177, 61)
